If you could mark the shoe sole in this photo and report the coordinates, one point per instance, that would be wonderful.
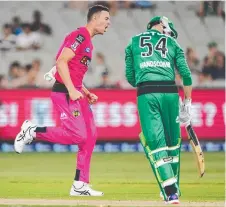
(173, 202)
(15, 142)
(87, 195)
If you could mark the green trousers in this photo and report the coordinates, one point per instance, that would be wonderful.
(160, 136)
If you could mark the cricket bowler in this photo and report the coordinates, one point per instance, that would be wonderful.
(71, 99)
(151, 58)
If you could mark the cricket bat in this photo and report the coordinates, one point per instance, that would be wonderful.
(197, 149)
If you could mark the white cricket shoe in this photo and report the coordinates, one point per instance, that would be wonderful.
(25, 136)
(80, 188)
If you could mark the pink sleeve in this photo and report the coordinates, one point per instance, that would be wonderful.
(74, 41)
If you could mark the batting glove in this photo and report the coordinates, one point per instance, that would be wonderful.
(187, 105)
(185, 112)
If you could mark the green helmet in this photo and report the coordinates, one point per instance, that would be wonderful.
(155, 20)
(158, 19)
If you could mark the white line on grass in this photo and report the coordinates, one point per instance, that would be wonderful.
(101, 203)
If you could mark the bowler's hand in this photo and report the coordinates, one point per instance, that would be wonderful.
(75, 95)
(92, 98)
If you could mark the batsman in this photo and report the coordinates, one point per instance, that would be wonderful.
(151, 58)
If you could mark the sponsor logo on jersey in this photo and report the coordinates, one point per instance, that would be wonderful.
(87, 49)
(76, 113)
(85, 61)
(162, 64)
(74, 45)
(63, 115)
(80, 38)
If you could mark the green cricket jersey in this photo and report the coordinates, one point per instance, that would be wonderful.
(152, 56)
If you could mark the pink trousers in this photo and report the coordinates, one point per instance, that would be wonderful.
(77, 127)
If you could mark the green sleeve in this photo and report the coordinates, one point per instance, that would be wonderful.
(130, 72)
(182, 66)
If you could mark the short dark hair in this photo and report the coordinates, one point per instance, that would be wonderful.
(14, 64)
(7, 26)
(104, 74)
(212, 44)
(1, 78)
(28, 67)
(95, 9)
(37, 14)
(16, 19)
(189, 50)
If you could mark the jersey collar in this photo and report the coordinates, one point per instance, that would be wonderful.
(86, 31)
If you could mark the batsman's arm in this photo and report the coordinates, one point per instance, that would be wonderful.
(130, 72)
(187, 92)
(184, 71)
(62, 67)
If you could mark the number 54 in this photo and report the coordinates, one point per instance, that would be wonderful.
(160, 46)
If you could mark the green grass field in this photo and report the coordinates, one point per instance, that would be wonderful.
(121, 176)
